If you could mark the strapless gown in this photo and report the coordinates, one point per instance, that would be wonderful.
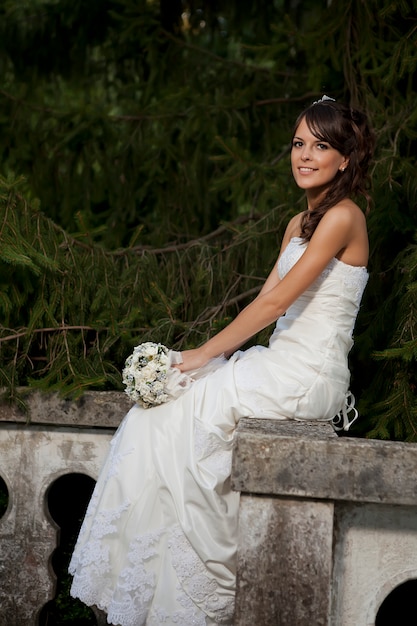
(158, 542)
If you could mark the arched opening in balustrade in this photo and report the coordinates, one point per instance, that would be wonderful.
(4, 497)
(399, 606)
(67, 500)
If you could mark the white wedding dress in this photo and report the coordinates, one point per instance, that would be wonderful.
(158, 543)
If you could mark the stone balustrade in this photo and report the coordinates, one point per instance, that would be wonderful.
(328, 525)
(62, 437)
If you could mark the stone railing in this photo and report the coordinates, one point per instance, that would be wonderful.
(62, 438)
(328, 525)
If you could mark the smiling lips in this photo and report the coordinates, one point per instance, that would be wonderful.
(306, 170)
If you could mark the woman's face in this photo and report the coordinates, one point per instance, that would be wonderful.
(314, 163)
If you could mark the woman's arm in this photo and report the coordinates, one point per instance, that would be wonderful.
(332, 235)
(291, 230)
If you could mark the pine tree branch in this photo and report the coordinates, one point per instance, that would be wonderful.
(24, 331)
(27, 104)
(69, 240)
(222, 60)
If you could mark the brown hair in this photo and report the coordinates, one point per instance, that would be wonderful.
(348, 131)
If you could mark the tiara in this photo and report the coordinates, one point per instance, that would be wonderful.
(323, 99)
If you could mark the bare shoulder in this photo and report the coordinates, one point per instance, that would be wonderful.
(345, 225)
(346, 213)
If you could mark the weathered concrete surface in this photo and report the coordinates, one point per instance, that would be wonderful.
(103, 409)
(285, 562)
(284, 458)
(32, 457)
(375, 550)
(306, 492)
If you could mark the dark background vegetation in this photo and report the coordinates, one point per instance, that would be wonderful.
(145, 180)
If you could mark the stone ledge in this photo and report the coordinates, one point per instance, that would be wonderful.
(294, 459)
(95, 409)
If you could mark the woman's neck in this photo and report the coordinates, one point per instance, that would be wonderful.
(314, 197)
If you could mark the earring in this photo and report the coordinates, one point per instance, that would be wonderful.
(342, 169)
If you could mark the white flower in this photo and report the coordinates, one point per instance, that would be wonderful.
(145, 374)
(151, 377)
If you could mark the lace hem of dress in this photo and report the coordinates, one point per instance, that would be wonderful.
(128, 599)
(192, 574)
(129, 602)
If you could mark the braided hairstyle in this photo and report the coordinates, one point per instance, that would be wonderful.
(348, 131)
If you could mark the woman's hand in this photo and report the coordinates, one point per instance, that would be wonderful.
(192, 360)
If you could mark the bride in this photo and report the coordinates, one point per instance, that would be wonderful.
(158, 542)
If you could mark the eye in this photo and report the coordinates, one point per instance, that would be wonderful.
(322, 146)
(297, 143)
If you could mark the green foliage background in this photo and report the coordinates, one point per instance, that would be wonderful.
(145, 180)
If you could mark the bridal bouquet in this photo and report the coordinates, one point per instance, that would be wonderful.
(145, 374)
(151, 379)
